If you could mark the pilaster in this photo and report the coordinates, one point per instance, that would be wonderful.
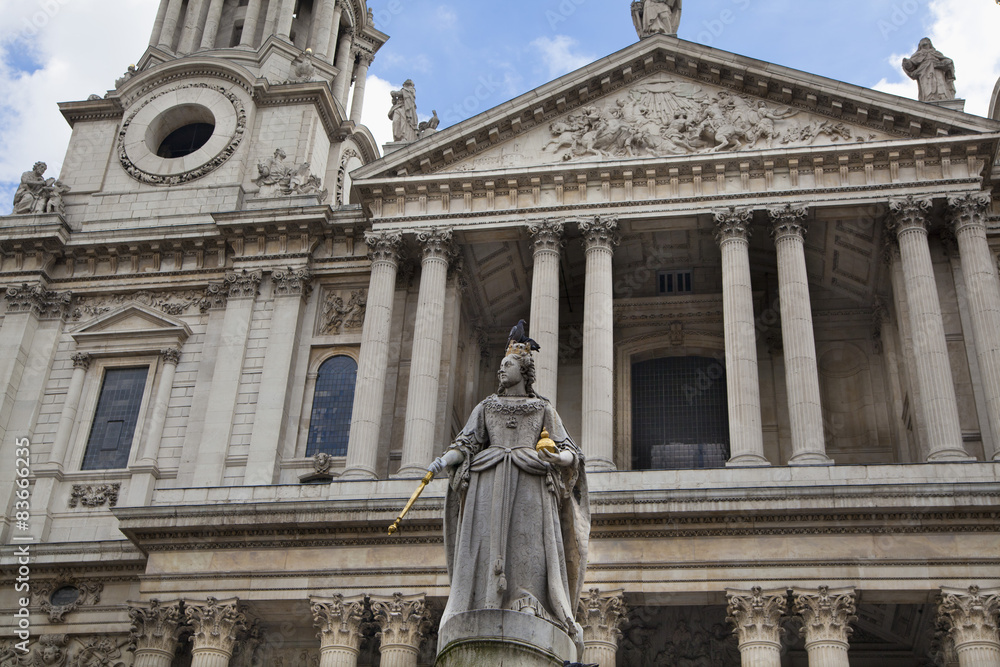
(547, 242)
(403, 622)
(339, 621)
(756, 615)
(602, 616)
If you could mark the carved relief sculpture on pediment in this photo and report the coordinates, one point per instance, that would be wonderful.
(170, 303)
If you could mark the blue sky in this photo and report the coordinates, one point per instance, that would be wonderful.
(466, 57)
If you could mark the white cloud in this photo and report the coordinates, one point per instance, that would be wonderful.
(966, 32)
(378, 101)
(447, 17)
(558, 53)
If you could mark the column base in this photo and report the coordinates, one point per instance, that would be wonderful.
(950, 456)
(601, 465)
(748, 461)
(499, 638)
(409, 473)
(358, 475)
(811, 459)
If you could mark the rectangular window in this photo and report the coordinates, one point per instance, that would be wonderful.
(676, 282)
(115, 419)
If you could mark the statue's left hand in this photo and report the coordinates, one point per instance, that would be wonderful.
(564, 458)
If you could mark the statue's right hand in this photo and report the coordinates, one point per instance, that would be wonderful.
(438, 465)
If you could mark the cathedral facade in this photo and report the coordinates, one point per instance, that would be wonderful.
(235, 334)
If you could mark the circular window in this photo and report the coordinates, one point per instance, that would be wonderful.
(65, 596)
(180, 131)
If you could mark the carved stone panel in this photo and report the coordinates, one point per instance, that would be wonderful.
(342, 311)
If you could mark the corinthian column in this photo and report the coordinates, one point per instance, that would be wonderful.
(156, 629)
(757, 618)
(970, 618)
(602, 616)
(746, 437)
(211, 31)
(403, 624)
(365, 60)
(826, 624)
(547, 240)
(968, 218)
(81, 362)
(216, 626)
(366, 420)
(937, 388)
(339, 621)
(788, 228)
(250, 22)
(600, 236)
(425, 360)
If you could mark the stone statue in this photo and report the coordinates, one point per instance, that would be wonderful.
(517, 517)
(37, 194)
(934, 73)
(656, 17)
(126, 77)
(275, 179)
(403, 114)
(429, 127)
(302, 68)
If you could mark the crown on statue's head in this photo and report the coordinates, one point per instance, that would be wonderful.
(520, 349)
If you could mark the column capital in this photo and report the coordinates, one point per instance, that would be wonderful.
(339, 620)
(216, 624)
(788, 221)
(384, 247)
(156, 626)
(171, 355)
(292, 282)
(244, 284)
(970, 615)
(756, 614)
(826, 614)
(37, 299)
(547, 236)
(365, 57)
(733, 224)
(969, 210)
(599, 232)
(82, 360)
(436, 244)
(403, 620)
(909, 213)
(602, 615)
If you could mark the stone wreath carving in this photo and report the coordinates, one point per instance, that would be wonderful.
(143, 176)
(340, 315)
(674, 118)
(89, 595)
(95, 495)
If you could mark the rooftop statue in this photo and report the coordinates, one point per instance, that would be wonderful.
(517, 518)
(37, 194)
(656, 17)
(934, 73)
(403, 114)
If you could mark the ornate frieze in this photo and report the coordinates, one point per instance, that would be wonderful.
(969, 211)
(35, 298)
(341, 315)
(157, 626)
(48, 651)
(100, 651)
(826, 615)
(970, 616)
(547, 236)
(908, 214)
(733, 224)
(216, 296)
(436, 244)
(599, 232)
(402, 620)
(384, 246)
(216, 625)
(65, 594)
(292, 282)
(170, 303)
(602, 617)
(788, 222)
(82, 360)
(95, 495)
(339, 620)
(341, 196)
(756, 614)
(244, 285)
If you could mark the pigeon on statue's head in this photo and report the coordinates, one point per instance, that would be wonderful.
(520, 336)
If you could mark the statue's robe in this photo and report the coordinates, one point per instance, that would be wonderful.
(516, 528)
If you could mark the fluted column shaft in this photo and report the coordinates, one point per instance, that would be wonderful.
(369, 393)
(285, 17)
(323, 27)
(937, 387)
(152, 658)
(746, 436)
(161, 403)
(342, 82)
(544, 322)
(169, 29)
(601, 616)
(425, 360)
(358, 102)
(81, 362)
(826, 624)
(211, 31)
(403, 623)
(600, 237)
(248, 37)
(801, 369)
(971, 619)
(756, 615)
(983, 292)
(192, 22)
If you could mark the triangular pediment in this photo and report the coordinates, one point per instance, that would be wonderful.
(665, 97)
(131, 328)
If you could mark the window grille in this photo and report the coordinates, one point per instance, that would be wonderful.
(333, 402)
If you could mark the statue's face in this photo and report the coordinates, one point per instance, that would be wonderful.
(50, 654)
(510, 372)
(40, 168)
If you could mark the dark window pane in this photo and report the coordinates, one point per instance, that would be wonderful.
(333, 402)
(114, 422)
(680, 414)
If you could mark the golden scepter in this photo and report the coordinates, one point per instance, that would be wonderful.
(416, 494)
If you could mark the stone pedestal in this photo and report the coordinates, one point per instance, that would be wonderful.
(498, 638)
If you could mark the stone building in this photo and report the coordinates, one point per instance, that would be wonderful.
(233, 337)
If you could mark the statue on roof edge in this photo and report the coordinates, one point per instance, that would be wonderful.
(656, 17)
(934, 73)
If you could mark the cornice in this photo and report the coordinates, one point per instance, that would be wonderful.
(91, 110)
(316, 93)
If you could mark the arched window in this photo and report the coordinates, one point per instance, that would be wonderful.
(333, 401)
(680, 414)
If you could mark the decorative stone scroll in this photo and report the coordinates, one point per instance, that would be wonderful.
(600, 233)
(909, 213)
(756, 615)
(826, 615)
(100, 651)
(244, 285)
(171, 303)
(970, 616)
(384, 246)
(788, 221)
(78, 593)
(733, 224)
(216, 625)
(37, 299)
(602, 616)
(339, 621)
(156, 626)
(971, 210)
(547, 236)
(402, 621)
(292, 282)
(95, 495)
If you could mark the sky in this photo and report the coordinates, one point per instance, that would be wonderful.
(469, 56)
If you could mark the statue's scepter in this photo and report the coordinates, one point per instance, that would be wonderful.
(416, 494)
